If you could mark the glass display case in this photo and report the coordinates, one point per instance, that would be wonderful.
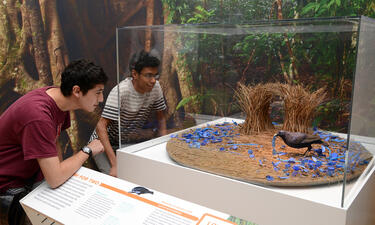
(231, 90)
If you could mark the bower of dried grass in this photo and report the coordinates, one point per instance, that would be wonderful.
(299, 106)
(255, 102)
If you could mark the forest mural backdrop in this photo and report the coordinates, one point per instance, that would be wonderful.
(39, 38)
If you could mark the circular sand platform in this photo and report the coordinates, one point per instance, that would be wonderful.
(222, 150)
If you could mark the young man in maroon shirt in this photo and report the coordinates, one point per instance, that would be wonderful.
(29, 129)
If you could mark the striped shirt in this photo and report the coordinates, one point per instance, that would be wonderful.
(135, 109)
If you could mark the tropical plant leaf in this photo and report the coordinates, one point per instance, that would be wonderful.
(308, 7)
(184, 101)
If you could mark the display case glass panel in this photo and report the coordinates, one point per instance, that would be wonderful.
(362, 125)
(262, 77)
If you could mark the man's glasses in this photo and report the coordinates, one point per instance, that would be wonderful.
(150, 75)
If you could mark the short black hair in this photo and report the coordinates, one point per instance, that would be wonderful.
(83, 73)
(141, 60)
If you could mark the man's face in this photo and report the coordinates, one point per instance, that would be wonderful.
(92, 98)
(146, 79)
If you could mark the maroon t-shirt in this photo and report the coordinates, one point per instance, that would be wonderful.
(29, 129)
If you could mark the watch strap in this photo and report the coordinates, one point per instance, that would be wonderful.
(87, 150)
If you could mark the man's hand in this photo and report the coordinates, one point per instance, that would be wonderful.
(96, 146)
(113, 171)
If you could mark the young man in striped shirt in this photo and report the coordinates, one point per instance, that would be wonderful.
(140, 96)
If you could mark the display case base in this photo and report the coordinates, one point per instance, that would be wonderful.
(148, 164)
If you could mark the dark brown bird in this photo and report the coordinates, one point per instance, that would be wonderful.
(299, 140)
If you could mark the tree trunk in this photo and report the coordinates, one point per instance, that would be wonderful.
(149, 22)
(79, 30)
(293, 74)
(39, 43)
(15, 44)
(185, 80)
(91, 31)
(173, 79)
(6, 40)
(242, 80)
(168, 78)
(55, 39)
(279, 5)
(123, 20)
(73, 132)
(11, 14)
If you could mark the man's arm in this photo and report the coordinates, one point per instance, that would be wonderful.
(56, 172)
(160, 115)
(60, 153)
(101, 130)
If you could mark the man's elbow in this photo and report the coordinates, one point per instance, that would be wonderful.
(54, 183)
(52, 171)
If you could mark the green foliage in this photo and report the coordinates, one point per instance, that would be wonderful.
(179, 11)
(218, 11)
(239, 221)
(333, 115)
(193, 99)
(186, 100)
(215, 62)
(265, 46)
(201, 15)
(329, 8)
(214, 102)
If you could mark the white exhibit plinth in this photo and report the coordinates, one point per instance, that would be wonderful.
(148, 164)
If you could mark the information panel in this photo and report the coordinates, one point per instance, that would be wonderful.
(90, 197)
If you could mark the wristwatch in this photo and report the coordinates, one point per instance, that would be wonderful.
(87, 150)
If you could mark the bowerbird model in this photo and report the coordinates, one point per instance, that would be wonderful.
(298, 139)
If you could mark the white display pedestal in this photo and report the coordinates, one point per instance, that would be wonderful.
(90, 197)
(148, 164)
